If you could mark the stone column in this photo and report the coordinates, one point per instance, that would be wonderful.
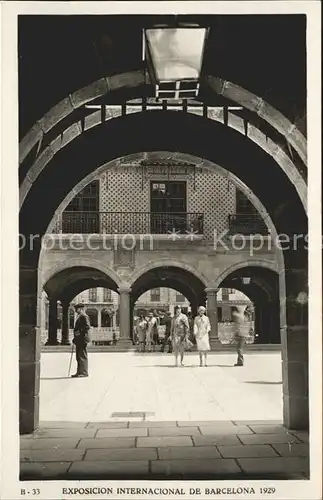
(29, 350)
(294, 339)
(99, 317)
(124, 317)
(212, 311)
(65, 324)
(52, 322)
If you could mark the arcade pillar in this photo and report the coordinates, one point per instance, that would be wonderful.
(65, 324)
(29, 350)
(124, 315)
(52, 322)
(294, 339)
(212, 312)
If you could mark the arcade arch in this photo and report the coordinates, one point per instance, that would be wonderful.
(260, 282)
(193, 135)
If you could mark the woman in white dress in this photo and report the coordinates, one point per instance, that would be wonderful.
(202, 330)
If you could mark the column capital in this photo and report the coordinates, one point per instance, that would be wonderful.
(211, 290)
(124, 289)
(65, 303)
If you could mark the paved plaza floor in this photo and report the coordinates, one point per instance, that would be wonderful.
(137, 416)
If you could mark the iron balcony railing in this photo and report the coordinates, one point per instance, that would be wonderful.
(130, 223)
(247, 224)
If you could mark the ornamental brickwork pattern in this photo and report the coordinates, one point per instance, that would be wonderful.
(125, 190)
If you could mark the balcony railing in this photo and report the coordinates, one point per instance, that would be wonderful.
(129, 223)
(247, 224)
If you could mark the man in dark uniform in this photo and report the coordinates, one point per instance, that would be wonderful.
(167, 321)
(81, 339)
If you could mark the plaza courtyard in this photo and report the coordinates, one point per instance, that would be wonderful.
(137, 416)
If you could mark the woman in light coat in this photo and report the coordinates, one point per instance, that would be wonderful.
(202, 328)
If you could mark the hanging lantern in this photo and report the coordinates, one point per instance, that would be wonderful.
(174, 57)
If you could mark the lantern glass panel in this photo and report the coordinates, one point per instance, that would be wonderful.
(176, 53)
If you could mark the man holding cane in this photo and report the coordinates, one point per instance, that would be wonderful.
(81, 339)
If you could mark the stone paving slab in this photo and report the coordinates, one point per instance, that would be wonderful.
(47, 444)
(268, 429)
(268, 438)
(188, 452)
(123, 442)
(62, 433)
(208, 430)
(121, 433)
(293, 450)
(274, 465)
(39, 470)
(302, 436)
(107, 425)
(204, 423)
(50, 455)
(88, 469)
(216, 440)
(252, 422)
(62, 425)
(156, 442)
(150, 424)
(129, 454)
(174, 431)
(183, 467)
(241, 451)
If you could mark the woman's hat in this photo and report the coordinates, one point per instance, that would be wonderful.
(202, 308)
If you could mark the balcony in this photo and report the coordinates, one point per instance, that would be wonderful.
(129, 223)
(247, 224)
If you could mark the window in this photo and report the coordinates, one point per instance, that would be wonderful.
(93, 295)
(106, 295)
(219, 310)
(180, 297)
(225, 293)
(155, 295)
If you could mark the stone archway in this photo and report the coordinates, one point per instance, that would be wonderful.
(66, 280)
(137, 78)
(289, 219)
(263, 291)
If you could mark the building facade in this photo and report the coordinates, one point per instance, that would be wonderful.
(102, 307)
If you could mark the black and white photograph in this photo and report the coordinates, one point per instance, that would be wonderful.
(162, 319)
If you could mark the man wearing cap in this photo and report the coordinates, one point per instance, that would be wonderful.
(81, 339)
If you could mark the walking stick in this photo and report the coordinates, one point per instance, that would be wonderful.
(69, 368)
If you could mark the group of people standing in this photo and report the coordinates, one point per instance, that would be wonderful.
(179, 333)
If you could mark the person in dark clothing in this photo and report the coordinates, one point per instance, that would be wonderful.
(81, 339)
(167, 321)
